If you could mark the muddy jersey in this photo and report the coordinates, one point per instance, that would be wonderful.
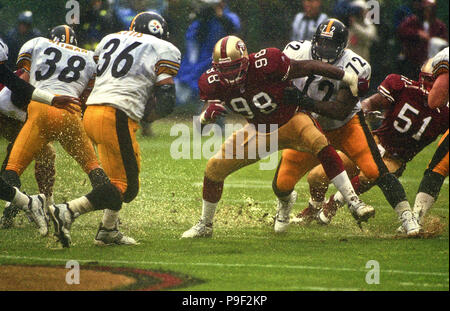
(56, 67)
(323, 88)
(260, 98)
(409, 125)
(3, 51)
(129, 65)
(440, 62)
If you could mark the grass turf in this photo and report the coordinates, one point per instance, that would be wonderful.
(244, 253)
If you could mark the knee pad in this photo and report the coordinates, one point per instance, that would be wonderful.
(11, 178)
(98, 177)
(105, 196)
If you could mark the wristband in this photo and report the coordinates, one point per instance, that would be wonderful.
(42, 96)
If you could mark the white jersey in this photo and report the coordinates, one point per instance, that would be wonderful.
(56, 67)
(3, 51)
(129, 65)
(440, 62)
(326, 89)
(8, 108)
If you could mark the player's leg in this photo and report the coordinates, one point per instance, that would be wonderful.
(114, 134)
(44, 171)
(234, 154)
(432, 180)
(292, 167)
(28, 143)
(300, 133)
(358, 143)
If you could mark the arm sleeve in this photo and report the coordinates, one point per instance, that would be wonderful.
(25, 55)
(278, 64)
(440, 63)
(391, 87)
(3, 51)
(168, 63)
(21, 90)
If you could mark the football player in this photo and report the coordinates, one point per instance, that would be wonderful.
(345, 128)
(437, 169)
(133, 66)
(409, 125)
(22, 92)
(254, 86)
(56, 65)
(11, 121)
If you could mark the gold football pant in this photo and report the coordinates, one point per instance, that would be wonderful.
(354, 139)
(439, 162)
(114, 133)
(300, 133)
(45, 124)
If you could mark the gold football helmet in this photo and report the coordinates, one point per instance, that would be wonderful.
(230, 60)
(426, 78)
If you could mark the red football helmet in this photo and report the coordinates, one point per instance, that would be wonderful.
(426, 78)
(230, 60)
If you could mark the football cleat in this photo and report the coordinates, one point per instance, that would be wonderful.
(306, 216)
(35, 211)
(328, 211)
(283, 213)
(410, 225)
(62, 218)
(112, 237)
(361, 212)
(200, 230)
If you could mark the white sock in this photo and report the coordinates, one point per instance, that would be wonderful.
(316, 204)
(423, 203)
(401, 207)
(344, 185)
(285, 198)
(339, 198)
(80, 206)
(20, 199)
(110, 218)
(208, 211)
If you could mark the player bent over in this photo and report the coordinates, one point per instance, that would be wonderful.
(148, 63)
(409, 126)
(22, 93)
(253, 86)
(345, 127)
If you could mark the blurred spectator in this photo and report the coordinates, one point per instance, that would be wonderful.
(96, 22)
(341, 10)
(406, 10)
(19, 35)
(306, 22)
(126, 10)
(213, 22)
(415, 33)
(362, 32)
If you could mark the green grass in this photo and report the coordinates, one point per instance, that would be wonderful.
(244, 253)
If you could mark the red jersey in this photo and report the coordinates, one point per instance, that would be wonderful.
(410, 125)
(260, 98)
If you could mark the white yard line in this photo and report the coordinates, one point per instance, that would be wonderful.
(215, 264)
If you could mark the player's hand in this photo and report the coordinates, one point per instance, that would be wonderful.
(292, 96)
(374, 116)
(351, 79)
(214, 110)
(69, 103)
(363, 87)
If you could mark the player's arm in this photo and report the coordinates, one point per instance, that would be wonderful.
(376, 102)
(304, 68)
(438, 95)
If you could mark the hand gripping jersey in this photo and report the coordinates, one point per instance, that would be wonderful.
(129, 65)
(3, 51)
(260, 98)
(325, 89)
(410, 125)
(58, 68)
(440, 62)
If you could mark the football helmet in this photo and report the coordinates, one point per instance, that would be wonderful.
(230, 60)
(150, 23)
(426, 78)
(64, 34)
(329, 41)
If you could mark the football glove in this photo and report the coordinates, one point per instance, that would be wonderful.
(363, 87)
(293, 96)
(214, 110)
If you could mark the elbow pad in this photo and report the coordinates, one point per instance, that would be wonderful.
(165, 99)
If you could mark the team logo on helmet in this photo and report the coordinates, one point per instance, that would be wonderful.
(240, 45)
(155, 27)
